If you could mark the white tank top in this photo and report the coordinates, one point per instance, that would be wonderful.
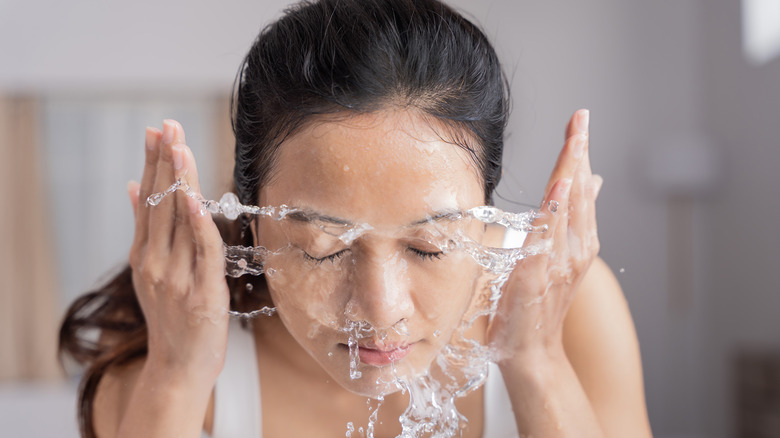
(237, 402)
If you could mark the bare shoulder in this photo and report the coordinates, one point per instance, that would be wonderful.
(601, 343)
(113, 396)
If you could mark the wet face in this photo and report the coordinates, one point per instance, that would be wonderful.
(390, 177)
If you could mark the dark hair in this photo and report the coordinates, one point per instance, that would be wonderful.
(325, 57)
(363, 55)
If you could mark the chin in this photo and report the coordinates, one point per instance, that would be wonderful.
(367, 386)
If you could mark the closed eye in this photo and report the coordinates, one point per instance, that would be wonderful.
(425, 255)
(330, 258)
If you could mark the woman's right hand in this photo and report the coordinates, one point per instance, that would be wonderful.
(178, 265)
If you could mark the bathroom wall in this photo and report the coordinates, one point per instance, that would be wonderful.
(741, 105)
(653, 73)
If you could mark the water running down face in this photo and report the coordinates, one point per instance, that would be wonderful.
(392, 170)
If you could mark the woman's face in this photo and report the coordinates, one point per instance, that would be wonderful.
(384, 174)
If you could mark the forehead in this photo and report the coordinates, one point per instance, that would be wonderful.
(378, 168)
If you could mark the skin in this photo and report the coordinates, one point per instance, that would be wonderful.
(388, 275)
(572, 366)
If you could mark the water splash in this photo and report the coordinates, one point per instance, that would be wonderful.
(462, 365)
(374, 413)
(266, 311)
(356, 330)
(354, 358)
(515, 221)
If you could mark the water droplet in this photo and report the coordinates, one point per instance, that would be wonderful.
(553, 206)
(282, 211)
(270, 272)
(266, 311)
(437, 333)
(355, 331)
(486, 214)
(212, 207)
(228, 204)
(622, 270)
(346, 168)
(249, 287)
(401, 328)
(155, 199)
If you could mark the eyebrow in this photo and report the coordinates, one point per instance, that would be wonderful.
(307, 215)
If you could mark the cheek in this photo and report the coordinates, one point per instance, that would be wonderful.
(446, 292)
(304, 295)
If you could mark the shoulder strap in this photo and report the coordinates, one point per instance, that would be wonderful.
(237, 409)
(499, 418)
(514, 239)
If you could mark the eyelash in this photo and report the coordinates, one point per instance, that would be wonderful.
(337, 255)
(426, 255)
(331, 258)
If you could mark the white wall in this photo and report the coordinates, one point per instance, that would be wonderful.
(127, 45)
(742, 110)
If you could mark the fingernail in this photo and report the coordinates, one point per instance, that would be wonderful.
(178, 157)
(579, 146)
(169, 128)
(130, 186)
(583, 121)
(151, 143)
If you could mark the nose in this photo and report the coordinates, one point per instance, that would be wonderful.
(380, 292)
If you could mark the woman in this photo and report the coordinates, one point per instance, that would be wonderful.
(377, 112)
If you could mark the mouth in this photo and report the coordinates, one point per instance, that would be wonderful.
(371, 354)
(384, 356)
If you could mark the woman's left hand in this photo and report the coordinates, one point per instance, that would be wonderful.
(538, 293)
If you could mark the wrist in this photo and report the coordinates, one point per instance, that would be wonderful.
(538, 360)
(187, 381)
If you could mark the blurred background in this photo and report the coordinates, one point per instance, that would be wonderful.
(685, 112)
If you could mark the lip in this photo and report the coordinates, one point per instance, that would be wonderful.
(381, 357)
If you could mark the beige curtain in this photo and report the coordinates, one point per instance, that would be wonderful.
(28, 296)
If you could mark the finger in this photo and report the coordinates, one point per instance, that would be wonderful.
(578, 123)
(209, 251)
(133, 187)
(573, 149)
(594, 187)
(579, 204)
(553, 212)
(183, 249)
(162, 216)
(153, 136)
